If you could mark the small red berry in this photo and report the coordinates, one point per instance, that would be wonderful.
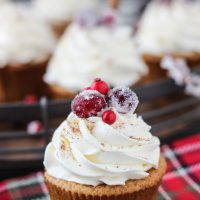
(100, 86)
(30, 99)
(109, 117)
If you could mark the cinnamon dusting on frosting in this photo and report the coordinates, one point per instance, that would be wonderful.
(64, 143)
(90, 126)
(74, 126)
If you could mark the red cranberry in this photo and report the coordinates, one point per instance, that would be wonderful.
(30, 99)
(34, 127)
(109, 19)
(87, 88)
(123, 99)
(100, 86)
(109, 117)
(88, 103)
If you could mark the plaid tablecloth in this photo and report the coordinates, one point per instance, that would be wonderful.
(181, 182)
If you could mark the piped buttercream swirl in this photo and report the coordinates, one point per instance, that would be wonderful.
(58, 11)
(23, 39)
(84, 54)
(91, 152)
(170, 27)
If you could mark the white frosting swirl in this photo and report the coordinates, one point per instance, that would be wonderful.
(170, 28)
(56, 11)
(91, 152)
(23, 39)
(84, 54)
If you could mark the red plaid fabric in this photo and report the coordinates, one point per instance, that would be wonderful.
(30, 187)
(181, 182)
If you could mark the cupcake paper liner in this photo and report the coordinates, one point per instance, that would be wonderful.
(144, 189)
(155, 71)
(57, 92)
(18, 81)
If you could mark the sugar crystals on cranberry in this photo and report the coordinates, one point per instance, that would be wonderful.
(88, 103)
(123, 99)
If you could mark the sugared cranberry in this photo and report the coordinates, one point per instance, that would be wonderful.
(100, 86)
(123, 99)
(87, 88)
(30, 99)
(109, 117)
(88, 103)
(108, 19)
(34, 127)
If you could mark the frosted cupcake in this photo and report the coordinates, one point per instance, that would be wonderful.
(94, 46)
(103, 150)
(59, 13)
(170, 27)
(25, 48)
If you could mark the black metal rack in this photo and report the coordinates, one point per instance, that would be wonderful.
(162, 104)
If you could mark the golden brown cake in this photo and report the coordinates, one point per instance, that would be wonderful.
(18, 81)
(145, 189)
(155, 70)
(59, 27)
(57, 92)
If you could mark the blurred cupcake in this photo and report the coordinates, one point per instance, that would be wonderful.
(170, 27)
(25, 48)
(59, 13)
(94, 46)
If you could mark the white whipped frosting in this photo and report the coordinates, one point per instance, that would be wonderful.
(91, 152)
(84, 54)
(23, 38)
(54, 11)
(170, 28)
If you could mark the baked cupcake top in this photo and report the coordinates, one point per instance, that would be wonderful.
(23, 39)
(58, 11)
(102, 140)
(170, 26)
(95, 45)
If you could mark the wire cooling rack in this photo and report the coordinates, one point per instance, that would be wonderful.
(163, 105)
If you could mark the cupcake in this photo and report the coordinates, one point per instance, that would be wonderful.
(94, 46)
(170, 27)
(25, 48)
(103, 150)
(59, 13)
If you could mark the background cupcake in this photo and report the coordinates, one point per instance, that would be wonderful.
(170, 27)
(94, 46)
(25, 48)
(59, 13)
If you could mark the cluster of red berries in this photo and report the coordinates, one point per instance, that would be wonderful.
(98, 96)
